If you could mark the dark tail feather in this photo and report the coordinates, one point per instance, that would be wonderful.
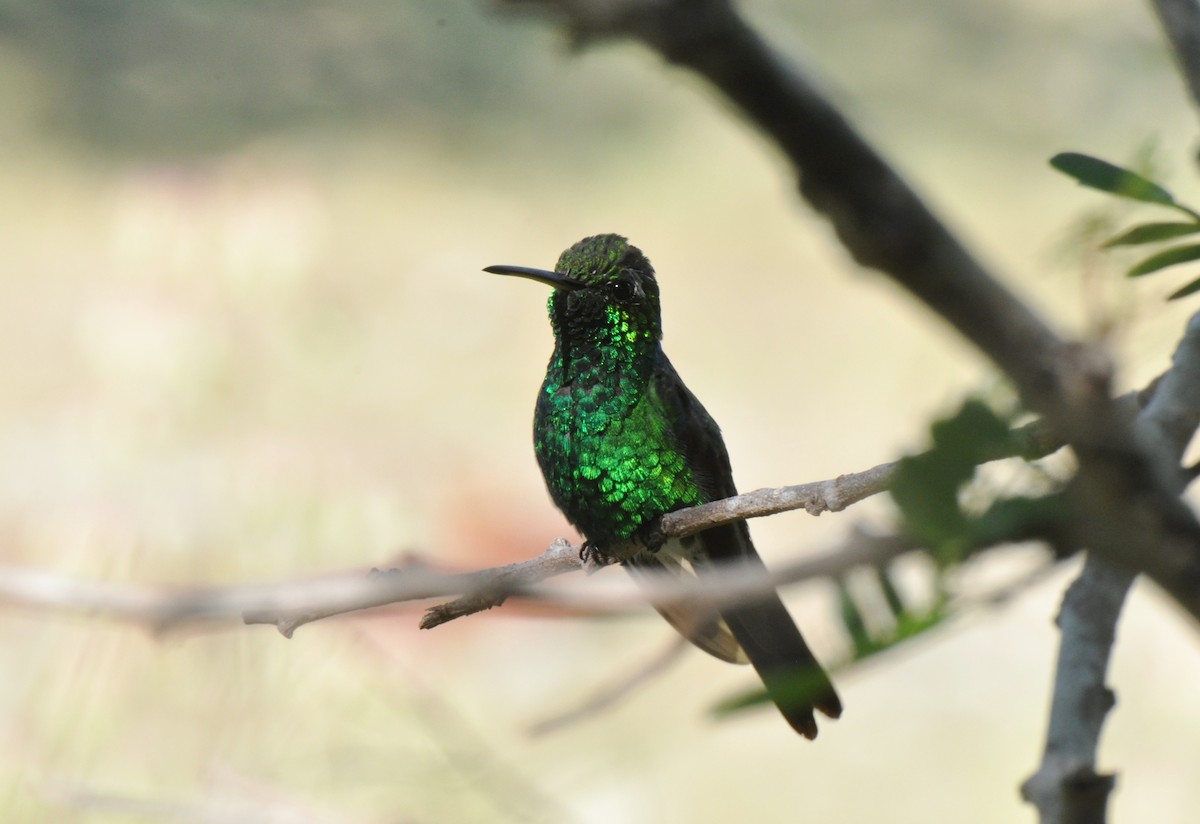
(794, 679)
(767, 634)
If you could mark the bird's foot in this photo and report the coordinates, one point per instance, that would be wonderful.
(592, 555)
(651, 536)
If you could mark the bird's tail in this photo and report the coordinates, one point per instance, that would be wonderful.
(792, 675)
(759, 631)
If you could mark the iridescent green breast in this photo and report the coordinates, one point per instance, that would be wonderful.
(607, 449)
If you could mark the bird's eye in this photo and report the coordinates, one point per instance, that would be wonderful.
(623, 290)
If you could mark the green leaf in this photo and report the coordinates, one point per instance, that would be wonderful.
(1153, 232)
(852, 618)
(926, 485)
(1168, 257)
(909, 625)
(1191, 288)
(793, 687)
(741, 701)
(891, 594)
(1102, 175)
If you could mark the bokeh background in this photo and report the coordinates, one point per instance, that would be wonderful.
(244, 337)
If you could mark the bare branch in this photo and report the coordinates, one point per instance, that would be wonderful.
(736, 584)
(1066, 787)
(1180, 20)
(487, 588)
(814, 498)
(490, 587)
(289, 605)
(1172, 414)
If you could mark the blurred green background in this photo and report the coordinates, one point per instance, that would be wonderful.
(244, 336)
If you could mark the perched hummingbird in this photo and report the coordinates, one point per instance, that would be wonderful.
(621, 441)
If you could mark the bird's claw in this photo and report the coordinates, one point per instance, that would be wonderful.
(652, 538)
(590, 554)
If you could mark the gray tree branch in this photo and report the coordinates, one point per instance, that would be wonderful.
(1066, 789)
(290, 604)
(1180, 20)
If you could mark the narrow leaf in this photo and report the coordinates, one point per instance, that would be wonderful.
(1168, 257)
(1153, 232)
(794, 687)
(1102, 175)
(741, 701)
(1191, 288)
(852, 618)
(891, 594)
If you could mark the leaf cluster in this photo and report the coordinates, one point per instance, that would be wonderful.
(1115, 180)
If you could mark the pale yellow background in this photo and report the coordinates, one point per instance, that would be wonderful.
(262, 348)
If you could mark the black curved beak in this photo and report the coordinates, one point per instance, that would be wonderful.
(540, 275)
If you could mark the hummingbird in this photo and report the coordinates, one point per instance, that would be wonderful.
(621, 441)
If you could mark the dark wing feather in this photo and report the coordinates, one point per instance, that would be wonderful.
(703, 628)
(763, 628)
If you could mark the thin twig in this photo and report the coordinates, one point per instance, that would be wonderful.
(735, 584)
(833, 495)
(492, 586)
(607, 695)
(481, 762)
(289, 604)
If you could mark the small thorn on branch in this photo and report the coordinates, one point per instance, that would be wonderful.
(467, 605)
(496, 585)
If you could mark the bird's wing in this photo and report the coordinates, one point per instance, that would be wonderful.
(703, 628)
(762, 628)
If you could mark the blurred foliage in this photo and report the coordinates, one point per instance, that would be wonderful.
(906, 622)
(166, 79)
(927, 485)
(191, 76)
(875, 618)
(928, 488)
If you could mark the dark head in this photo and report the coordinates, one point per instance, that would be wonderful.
(602, 286)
